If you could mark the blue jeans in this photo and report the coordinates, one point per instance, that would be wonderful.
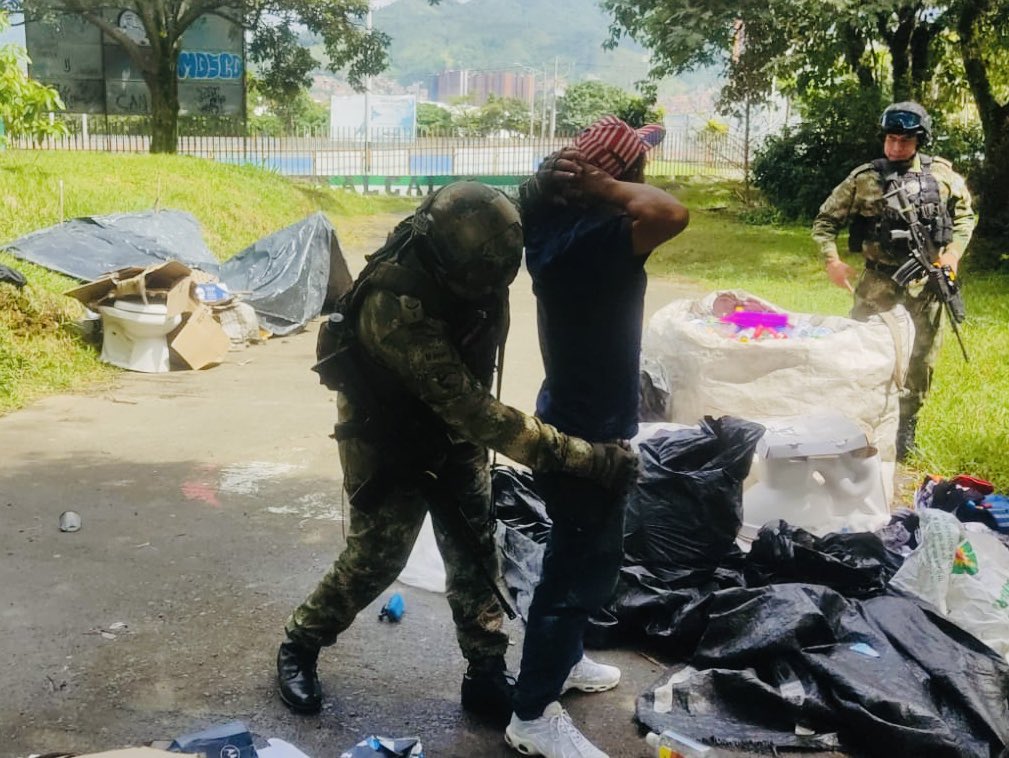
(580, 569)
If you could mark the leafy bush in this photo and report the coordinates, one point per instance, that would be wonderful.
(797, 170)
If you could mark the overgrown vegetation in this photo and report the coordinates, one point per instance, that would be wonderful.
(40, 353)
(963, 425)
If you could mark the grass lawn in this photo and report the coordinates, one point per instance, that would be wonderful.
(964, 426)
(235, 205)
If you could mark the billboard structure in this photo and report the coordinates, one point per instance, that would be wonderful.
(93, 73)
(373, 117)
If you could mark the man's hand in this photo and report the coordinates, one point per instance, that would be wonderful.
(949, 259)
(614, 465)
(557, 172)
(841, 274)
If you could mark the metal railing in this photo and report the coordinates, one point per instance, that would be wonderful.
(684, 152)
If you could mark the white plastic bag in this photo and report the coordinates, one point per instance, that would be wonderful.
(964, 574)
(425, 568)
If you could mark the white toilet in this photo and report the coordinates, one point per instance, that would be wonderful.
(816, 472)
(135, 335)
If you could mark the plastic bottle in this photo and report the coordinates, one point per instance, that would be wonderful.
(672, 744)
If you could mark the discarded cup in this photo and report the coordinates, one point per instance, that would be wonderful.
(70, 521)
(393, 609)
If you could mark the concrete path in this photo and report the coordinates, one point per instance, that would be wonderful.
(211, 505)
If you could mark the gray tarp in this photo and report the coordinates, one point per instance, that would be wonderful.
(85, 248)
(288, 277)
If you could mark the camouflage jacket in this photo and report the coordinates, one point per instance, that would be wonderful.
(861, 193)
(421, 352)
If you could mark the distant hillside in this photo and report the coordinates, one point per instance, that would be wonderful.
(492, 34)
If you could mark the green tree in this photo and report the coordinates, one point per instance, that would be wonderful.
(24, 105)
(585, 102)
(433, 119)
(983, 36)
(348, 44)
(900, 49)
(503, 114)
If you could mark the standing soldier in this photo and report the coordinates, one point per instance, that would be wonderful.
(413, 357)
(942, 203)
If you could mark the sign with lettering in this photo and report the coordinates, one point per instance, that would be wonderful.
(94, 74)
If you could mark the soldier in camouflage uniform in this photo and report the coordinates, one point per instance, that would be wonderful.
(944, 206)
(428, 315)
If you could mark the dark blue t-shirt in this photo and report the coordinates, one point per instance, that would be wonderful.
(590, 290)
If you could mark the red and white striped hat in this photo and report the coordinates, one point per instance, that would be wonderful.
(613, 145)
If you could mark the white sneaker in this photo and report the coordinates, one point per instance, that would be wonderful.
(589, 676)
(551, 735)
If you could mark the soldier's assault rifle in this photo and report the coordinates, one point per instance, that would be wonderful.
(405, 460)
(922, 251)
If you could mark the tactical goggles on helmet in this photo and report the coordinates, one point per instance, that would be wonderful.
(901, 121)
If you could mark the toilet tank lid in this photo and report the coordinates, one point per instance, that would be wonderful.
(813, 435)
(136, 306)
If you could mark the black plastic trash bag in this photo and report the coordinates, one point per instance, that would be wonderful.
(887, 675)
(12, 276)
(522, 531)
(680, 534)
(856, 564)
(685, 512)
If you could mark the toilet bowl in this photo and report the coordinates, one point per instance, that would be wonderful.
(817, 472)
(135, 335)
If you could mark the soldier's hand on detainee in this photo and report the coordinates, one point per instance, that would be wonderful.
(841, 274)
(614, 465)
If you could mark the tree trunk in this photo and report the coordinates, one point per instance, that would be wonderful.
(899, 42)
(993, 182)
(163, 83)
(993, 187)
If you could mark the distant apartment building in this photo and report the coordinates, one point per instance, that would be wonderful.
(479, 85)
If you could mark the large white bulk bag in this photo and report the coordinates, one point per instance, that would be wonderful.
(853, 367)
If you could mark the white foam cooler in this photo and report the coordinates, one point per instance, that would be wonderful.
(818, 472)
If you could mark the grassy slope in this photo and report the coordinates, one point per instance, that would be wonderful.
(235, 205)
(964, 426)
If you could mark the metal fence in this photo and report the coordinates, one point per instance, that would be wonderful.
(348, 158)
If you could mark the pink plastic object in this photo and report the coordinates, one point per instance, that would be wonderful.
(753, 319)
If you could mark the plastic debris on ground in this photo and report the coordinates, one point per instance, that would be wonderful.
(70, 521)
(855, 666)
(393, 609)
(12, 276)
(230, 740)
(399, 747)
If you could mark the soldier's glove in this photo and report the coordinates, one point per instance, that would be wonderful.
(614, 465)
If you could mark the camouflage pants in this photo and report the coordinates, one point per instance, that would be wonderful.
(380, 540)
(875, 293)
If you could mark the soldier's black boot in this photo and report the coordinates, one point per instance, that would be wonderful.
(905, 436)
(487, 690)
(297, 678)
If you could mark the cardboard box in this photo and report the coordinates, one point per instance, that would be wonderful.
(199, 340)
(168, 283)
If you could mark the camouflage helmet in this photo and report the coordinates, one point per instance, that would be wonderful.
(474, 235)
(907, 118)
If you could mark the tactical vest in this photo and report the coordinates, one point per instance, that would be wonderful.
(928, 203)
(477, 329)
